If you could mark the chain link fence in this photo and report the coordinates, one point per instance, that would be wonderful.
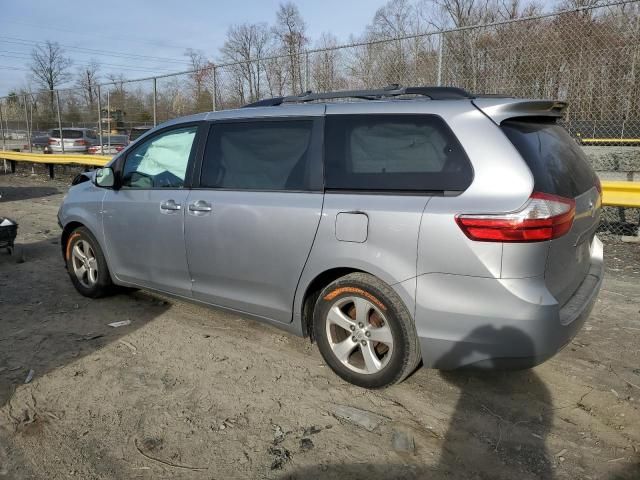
(589, 57)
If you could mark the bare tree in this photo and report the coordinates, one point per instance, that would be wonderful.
(290, 30)
(246, 45)
(464, 13)
(87, 80)
(50, 67)
(325, 67)
(200, 78)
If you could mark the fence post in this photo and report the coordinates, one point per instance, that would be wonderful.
(59, 120)
(100, 119)
(440, 47)
(155, 102)
(109, 120)
(4, 142)
(308, 73)
(26, 120)
(213, 96)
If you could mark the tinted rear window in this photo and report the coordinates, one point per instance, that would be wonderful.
(67, 133)
(557, 162)
(393, 152)
(262, 155)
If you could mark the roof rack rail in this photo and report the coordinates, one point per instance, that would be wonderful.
(434, 93)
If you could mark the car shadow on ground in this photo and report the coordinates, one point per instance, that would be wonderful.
(497, 430)
(45, 324)
(12, 194)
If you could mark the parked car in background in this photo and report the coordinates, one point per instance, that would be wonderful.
(76, 140)
(137, 132)
(39, 140)
(111, 144)
(105, 149)
(423, 224)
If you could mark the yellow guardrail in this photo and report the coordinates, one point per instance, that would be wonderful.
(588, 141)
(57, 159)
(615, 194)
(621, 194)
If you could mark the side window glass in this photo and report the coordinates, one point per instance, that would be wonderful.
(393, 152)
(160, 162)
(263, 155)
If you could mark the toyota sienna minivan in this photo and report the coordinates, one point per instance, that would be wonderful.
(392, 226)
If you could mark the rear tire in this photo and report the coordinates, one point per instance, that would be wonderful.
(364, 331)
(86, 264)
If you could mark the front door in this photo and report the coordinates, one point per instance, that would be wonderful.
(252, 220)
(143, 219)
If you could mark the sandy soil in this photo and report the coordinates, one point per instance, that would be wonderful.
(189, 392)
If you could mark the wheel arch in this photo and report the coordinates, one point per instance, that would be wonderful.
(66, 233)
(312, 291)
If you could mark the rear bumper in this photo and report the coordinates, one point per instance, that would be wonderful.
(499, 323)
(69, 149)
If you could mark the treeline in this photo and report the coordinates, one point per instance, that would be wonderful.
(589, 57)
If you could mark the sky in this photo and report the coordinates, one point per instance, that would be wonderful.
(140, 39)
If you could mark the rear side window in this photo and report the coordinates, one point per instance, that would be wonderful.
(558, 164)
(394, 152)
(261, 155)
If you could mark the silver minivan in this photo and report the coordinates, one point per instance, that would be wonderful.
(74, 140)
(409, 225)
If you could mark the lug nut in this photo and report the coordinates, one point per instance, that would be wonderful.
(352, 327)
(368, 334)
(361, 324)
(354, 338)
(363, 343)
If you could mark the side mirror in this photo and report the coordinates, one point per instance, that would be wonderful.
(105, 177)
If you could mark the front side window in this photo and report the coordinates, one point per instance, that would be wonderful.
(394, 152)
(262, 155)
(160, 162)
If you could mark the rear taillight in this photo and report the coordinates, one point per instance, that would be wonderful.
(543, 217)
(52, 141)
(599, 185)
(119, 149)
(80, 142)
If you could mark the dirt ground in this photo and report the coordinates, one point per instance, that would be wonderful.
(190, 392)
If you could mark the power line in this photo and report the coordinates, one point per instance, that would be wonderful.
(108, 53)
(128, 38)
(8, 67)
(3, 53)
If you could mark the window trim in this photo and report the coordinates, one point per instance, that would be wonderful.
(195, 151)
(316, 150)
(400, 191)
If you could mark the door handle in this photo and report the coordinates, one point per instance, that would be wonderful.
(200, 206)
(170, 205)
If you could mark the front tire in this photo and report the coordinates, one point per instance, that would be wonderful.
(364, 331)
(86, 264)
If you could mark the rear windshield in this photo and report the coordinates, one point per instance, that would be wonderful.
(557, 162)
(67, 133)
(394, 152)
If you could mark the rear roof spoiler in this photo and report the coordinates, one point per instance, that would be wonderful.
(501, 109)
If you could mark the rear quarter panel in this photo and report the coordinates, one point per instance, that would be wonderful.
(502, 183)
